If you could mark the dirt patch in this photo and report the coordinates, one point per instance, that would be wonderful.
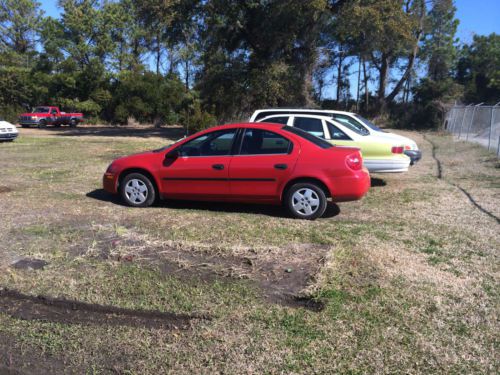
(5, 189)
(33, 264)
(138, 131)
(282, 274)
(27, 307)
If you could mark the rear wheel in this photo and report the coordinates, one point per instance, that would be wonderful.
(73, 123)
(306, 200)
(137, 190)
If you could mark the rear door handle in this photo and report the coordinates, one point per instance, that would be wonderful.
(280, 166)
(219, 167)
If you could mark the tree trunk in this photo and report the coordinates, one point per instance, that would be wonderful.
(384, 71)
(339, 76)
(158, 53)
(359, 83)
(367, 93)
(382, 85)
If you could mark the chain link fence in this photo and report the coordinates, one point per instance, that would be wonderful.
(475, 123)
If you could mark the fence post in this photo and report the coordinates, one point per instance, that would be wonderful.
(491, 124)
(472, 120)
(463, 120)
(451, 126)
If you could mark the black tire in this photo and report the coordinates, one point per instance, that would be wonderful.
(57, 125)
(143, 182)
(309, 206)
(25, 126)
(42, 124)
(73, 123)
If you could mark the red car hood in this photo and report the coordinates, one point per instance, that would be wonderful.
(130, 158)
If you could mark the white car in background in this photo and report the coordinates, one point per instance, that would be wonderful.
(351, 120)
(380, 154)
(8, 132)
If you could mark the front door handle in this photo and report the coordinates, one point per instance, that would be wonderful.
(280, 166)
(218, 167)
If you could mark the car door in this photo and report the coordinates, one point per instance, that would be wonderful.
(201, 169)
(262, 164)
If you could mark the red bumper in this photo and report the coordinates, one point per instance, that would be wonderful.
(350, 188)
(109, 183)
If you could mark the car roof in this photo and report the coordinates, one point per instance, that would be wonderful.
(322, 117)
(270, 125)
(303, 110)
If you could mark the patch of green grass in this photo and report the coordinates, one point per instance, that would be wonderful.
(435, 249)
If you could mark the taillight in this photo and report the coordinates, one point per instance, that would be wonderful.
(354, 161)
(397, 149)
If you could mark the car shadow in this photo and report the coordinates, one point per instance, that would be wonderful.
(377, 182)
(332, 209)
(173, 132)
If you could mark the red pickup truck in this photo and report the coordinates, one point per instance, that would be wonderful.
(47, 115)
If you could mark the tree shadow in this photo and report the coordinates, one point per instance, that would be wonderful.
(118, 131)
(332, 209)
(377, 182)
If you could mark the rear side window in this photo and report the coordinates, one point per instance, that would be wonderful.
(263, 142)
(337, 134)
(320, 142)
(310, 125)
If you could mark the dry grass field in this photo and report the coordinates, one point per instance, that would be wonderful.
(404, 281)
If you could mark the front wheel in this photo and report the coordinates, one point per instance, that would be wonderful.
(42, 124)
(306, 200)
(137, 190)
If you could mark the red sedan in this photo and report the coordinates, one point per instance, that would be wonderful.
(254, 163)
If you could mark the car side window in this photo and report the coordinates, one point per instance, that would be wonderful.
(351, 124)
(277, 120)
(263, 142)
(336, 133)
(53, 112)
(218, 143)
(310, 125)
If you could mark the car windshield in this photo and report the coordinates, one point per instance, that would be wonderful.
(41, 110)
(368, 123)
(351, 123)
(311, 138)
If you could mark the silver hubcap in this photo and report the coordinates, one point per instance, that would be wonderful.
(136, 191)
(305, 201)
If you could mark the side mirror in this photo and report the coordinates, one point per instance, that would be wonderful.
(172, 155)
(170, 158)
